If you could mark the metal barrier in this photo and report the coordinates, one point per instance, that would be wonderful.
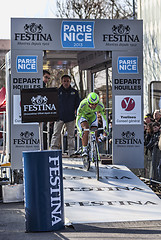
(152, 162)
(5, 174)
(104, 146)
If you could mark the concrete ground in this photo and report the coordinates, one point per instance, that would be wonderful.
(12, 227)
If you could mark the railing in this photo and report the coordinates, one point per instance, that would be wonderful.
(5, 175)
(104, 146)
(152, 162)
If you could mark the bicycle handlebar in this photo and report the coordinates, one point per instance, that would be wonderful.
(91, 130)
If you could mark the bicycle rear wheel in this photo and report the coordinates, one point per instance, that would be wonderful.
(96, 154)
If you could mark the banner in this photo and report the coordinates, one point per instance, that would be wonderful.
(39, 105)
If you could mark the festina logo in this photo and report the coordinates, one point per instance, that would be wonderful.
(43, 107)
(39, 103)
(120, 33)
(101, 189)
(128, 138)
(33, 32)
(110, 203)
(26, 138)
(55, 190)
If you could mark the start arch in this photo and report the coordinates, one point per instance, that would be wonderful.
(93, 45)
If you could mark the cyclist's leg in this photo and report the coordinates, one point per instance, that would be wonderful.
(85, 125)
(85, 146)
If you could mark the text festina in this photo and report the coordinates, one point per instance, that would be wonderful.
(55, 190)
(33, 32)
(120, 38)
(120, 33)
(37, 107)
(109, 203)
(32, 37)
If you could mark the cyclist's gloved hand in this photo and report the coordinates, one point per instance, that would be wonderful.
(105, 131)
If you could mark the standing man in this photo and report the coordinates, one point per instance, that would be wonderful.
(68, 104)
(46, 79)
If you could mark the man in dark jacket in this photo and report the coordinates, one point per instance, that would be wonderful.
(46, 79)
(68, 104)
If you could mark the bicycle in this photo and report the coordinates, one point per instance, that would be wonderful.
(93, 152)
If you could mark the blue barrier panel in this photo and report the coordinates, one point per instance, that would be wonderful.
(44, 205)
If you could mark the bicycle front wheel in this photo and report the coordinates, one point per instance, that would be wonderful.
(86, 159)
(96, 157)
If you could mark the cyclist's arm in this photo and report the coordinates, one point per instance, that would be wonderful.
(78, 122)
(79, 115)
(104, 118)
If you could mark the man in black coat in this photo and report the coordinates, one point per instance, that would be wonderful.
(46, 79)
(68, 104)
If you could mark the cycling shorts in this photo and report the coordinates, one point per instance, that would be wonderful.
(92, 120)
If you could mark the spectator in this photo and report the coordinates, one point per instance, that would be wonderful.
(151, 142)
(155, 136)
(68, 104)
(46, 78)
(148, 135)
(157, 116)
(148, 118)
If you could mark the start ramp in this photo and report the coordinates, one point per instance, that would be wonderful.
(119, 196)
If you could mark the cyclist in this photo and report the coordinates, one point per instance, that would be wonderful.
(87, 117)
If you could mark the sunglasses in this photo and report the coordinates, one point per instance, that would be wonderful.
(93, 104)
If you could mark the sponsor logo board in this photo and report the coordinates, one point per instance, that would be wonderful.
(128, 138)
(39, 105)
(77, 34)
(127, 65)
(26, 139)
(33, 34)
(26, 64)
(127, 110)
(121, 35)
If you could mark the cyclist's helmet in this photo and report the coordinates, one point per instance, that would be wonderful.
(93, 98)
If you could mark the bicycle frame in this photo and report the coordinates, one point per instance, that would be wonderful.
(93, 152)
(92, 142)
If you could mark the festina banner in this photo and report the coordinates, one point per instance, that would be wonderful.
(39, 105)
